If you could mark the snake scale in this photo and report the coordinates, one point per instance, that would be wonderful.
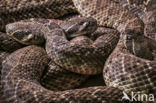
(146, 11)
(20, 76)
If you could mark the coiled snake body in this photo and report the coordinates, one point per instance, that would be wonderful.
(26, 87)
(146, 11)
(20, 73)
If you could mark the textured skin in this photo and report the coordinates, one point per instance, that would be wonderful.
(8, 44)
(11, 11)
(57, 75)
(54, 74)
(141, 46)
(79, 26)
(57, 79)
(129, 72)
(146, 10)
(3, 55)
(81, 54)
(21, 75)
(120, 18)
(111, 14)
(117, 65)
(102, 11)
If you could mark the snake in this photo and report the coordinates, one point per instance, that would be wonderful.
(24, 84)
(121, 19)
(145, 10)
(7, 43)
(129, 72)
(125, 68)
(73, 55)
(118, 72)
(3, 55)
(16, 31)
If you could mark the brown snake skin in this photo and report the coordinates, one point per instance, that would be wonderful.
(110, 14)
(146, 10)
(15, 10)
(130, 73)
(3, 55)
(20, 78)
(55, 76)
(133, 27)
(70, 80)
(8, 44)
(80, 54)
(101, 39)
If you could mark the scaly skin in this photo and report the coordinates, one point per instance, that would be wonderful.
(11, 11)
(57, 78)
(21, 74)
(111, 14)
(146, 11)
(7, 43)
(3, 55)
(102, 10)
(129, 72)
(80, 54)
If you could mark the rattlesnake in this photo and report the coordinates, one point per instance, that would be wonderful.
(146, 11)
(15, 31)
(81, 55)
(121, 19)
(26, 82)
(3, 55)
(129, 72)
(8, 44)
(123, 74)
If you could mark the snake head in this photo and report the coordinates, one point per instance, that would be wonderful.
(24, 33)
(79, 26)
(128, 37)
(25, 37)
(134, 42)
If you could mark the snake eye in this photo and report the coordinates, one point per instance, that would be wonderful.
(128, 37)
(24, 36)
(19, 35)
(81, 22)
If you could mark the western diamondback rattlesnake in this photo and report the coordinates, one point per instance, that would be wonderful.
(23, 84)
(146, 11)
(129, 72)
(121, 19)
(3, 55)
(75, 55)
(45, 25)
